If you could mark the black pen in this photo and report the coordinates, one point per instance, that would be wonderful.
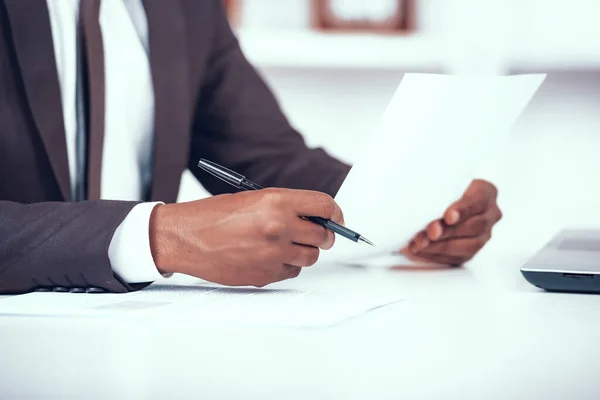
(239, 181)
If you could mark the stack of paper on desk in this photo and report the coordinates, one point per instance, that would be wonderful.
(434, 133)
(205, 304)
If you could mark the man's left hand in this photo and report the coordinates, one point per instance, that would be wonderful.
(463, 230)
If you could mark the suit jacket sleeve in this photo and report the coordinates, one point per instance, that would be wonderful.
(239, 124)
(59, 244)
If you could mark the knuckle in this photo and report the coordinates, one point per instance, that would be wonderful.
(499, 214)
(312, 256)
(294, 272)
(479, 243)
(273, 197)
(273, 229)
(474, 246)
(327, 205)
(306, 256)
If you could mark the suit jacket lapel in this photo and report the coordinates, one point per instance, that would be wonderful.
(32, 35)
(168, 61)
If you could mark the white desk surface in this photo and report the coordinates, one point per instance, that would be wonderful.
(471, 333)
(479, 332)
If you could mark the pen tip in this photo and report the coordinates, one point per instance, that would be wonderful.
(365, 240)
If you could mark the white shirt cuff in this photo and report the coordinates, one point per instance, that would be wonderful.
(129, 250)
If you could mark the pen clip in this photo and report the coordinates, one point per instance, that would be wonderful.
(221, 172)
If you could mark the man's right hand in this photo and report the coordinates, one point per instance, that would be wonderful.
(249, 238)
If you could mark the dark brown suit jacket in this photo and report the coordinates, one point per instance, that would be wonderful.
(209, 103)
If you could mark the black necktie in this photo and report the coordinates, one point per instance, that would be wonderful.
(90, 135)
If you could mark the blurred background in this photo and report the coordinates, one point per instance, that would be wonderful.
(334, 65)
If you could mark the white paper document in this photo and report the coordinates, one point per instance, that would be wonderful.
(435, 132)
(246, 306)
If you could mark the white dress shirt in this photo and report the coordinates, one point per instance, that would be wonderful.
(129, 120)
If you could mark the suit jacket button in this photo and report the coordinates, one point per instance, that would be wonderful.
(94, 290)
(43, 289)
(77, 290)
(60, 289)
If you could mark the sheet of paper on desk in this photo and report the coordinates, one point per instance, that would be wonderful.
(435, 132)
(246, 306)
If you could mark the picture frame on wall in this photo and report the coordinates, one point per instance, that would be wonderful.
(384, 16)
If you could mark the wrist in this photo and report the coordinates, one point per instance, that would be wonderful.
(162, 239)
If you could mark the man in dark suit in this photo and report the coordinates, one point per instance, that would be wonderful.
(114, 102)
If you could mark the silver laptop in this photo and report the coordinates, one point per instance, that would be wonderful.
(570, 262)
